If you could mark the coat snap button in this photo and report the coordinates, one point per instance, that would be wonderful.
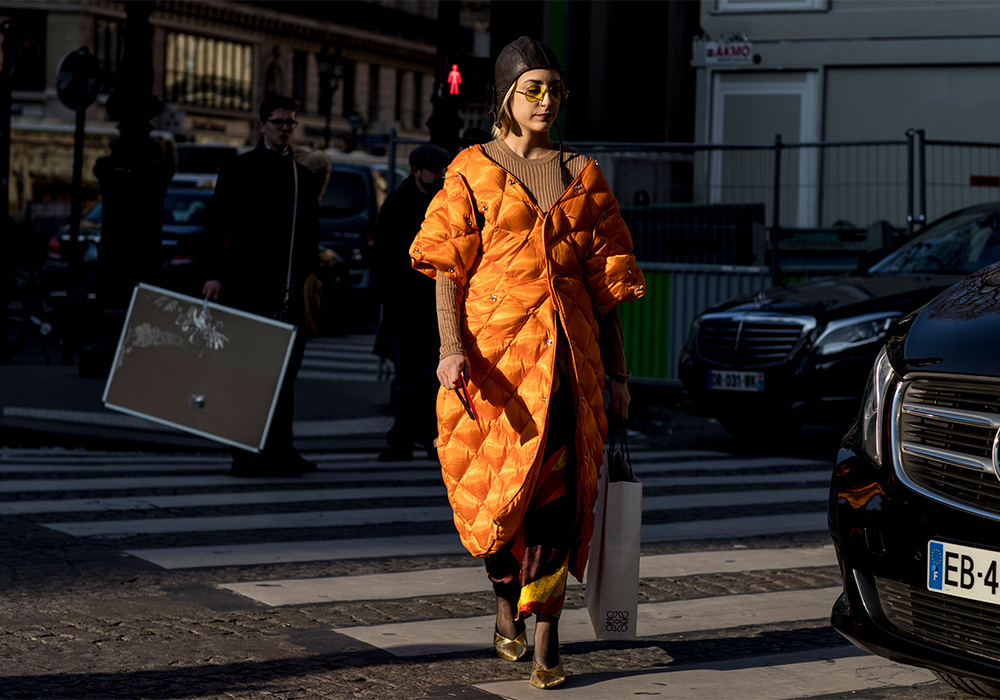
(416, 250)
(548, 341)
(486, 207)
(544, 399)
(600, 306)
(469, 222)
(510, 182)
(451, 269)
(493, 298)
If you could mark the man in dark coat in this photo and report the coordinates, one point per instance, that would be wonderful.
(260, 266)
(409, 315)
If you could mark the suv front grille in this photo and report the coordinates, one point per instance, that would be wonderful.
(750, 341)
(956, 623)
(945, 430)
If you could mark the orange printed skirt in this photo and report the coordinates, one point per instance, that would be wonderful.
(532, 567)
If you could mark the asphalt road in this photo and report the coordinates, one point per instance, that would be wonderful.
(132, 573)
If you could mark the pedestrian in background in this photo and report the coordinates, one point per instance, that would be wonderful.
(409, 316)
(263, 229)
(531, 258)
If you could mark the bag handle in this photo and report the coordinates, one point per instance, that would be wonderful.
(619, 460)
(283, 313)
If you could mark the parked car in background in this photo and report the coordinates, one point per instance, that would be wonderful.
(348, 212)
(915, 500)
(181, 247)
(766, 363)
(205, 158)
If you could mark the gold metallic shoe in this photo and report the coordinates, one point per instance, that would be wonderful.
(547, 677)
(510, 649)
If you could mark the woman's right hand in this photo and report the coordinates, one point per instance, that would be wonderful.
(449, 370)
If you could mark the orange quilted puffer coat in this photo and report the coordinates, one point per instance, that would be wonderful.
(523, 272)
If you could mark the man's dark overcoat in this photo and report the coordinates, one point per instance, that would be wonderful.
(249, 228)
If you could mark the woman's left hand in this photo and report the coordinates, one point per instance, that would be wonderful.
(620, 400)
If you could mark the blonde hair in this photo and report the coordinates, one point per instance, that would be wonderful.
(501, 125)
(317, 161)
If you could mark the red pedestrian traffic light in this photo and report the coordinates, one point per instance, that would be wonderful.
(454, 79)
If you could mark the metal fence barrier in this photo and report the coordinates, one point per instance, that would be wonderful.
(712, 221)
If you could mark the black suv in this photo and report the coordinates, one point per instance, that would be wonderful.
(348, 212)
(915, 498)
(768, 362)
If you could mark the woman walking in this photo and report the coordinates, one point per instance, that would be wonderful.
(531, 257)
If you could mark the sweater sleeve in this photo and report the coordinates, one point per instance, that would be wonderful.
(449, 296)
(612, 345)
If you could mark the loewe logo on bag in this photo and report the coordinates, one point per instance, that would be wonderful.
(617, 621)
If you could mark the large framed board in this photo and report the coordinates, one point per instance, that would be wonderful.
(200, 367)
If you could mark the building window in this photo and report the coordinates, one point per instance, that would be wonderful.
(208, 72)
(373, 93)
(771, 5)
(107, 49)
(300, 74)
(28, 27)
(418, 99)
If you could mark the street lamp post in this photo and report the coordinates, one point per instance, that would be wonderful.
(331, 72)
(133, 182)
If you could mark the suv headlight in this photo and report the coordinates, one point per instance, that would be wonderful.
(854, 332)
(881, 383)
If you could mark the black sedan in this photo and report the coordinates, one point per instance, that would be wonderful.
(765, 364)
(915, 498)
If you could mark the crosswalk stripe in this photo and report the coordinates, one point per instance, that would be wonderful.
(340, 365)
(265, 521)
(340, 353)
(463, 580)
(316, 375)
(91, 459)
(195, 481)
(420, 545)
(197, 500)
(456, 635)
(838, 671)
(645, 465)
(751, 526)
(291, 552)
(730, 480)
(373, 516)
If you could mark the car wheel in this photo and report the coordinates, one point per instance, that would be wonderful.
(973, 686)
(764, 428)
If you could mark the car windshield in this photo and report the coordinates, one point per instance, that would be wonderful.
(178, 208)
(94, 215)
(960, 244)
(346, 195)
(187, 208)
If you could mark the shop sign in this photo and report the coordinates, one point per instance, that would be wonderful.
(728, 52)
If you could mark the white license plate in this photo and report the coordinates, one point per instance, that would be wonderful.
(735, 381)
(964, 572)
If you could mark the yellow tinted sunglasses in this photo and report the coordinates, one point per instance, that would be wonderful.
(536, 92)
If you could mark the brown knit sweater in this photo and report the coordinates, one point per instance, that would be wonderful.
(545, 179)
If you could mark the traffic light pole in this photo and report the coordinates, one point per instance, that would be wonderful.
(6, 228)
(444, 123)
